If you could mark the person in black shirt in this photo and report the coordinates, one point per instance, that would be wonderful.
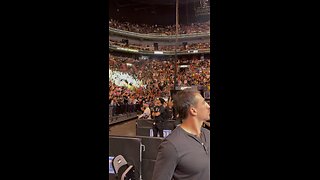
(159, 117)
(169, 109)
(185, 153)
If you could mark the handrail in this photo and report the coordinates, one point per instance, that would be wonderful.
(122, 109)
(198, 51)
(158, 36)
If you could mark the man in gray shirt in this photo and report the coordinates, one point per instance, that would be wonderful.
(185, 153)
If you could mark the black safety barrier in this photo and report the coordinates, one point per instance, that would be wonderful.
(147, 168)
(144, 127)
(130, 148)
(149, 156)
(144, 123)
(150, 146)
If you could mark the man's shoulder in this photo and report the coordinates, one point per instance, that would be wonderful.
(175, 135)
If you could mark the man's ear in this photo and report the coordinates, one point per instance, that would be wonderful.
(193, 111)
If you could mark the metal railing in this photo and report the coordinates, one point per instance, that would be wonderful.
(199, 51)
(115, 110)
(158, 36)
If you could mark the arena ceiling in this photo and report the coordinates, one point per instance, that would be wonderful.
(153, 2)
(154, 11)
(121, 3)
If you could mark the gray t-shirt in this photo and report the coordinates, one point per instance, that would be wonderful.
(183, 156)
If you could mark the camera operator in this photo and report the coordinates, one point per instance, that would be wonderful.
(160, 117)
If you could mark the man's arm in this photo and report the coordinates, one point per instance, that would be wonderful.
(156, 114)
(166, 162)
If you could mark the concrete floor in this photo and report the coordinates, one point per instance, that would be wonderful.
(127, 128)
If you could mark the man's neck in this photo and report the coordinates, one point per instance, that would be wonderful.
(192, 126)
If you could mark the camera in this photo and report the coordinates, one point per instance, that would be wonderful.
(156, 109)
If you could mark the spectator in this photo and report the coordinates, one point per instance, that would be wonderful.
(161, 29)
(160, 116)
(145, 80)
(146, 112)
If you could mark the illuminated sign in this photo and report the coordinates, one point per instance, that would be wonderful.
(126, 49)
(158, 52)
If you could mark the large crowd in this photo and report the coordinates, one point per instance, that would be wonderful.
(134, 82)
(160, 29)
(180, 48)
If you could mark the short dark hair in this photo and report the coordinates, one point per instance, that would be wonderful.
(183, 100)
(162, 100)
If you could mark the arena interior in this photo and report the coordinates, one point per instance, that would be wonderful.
(149, 58)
